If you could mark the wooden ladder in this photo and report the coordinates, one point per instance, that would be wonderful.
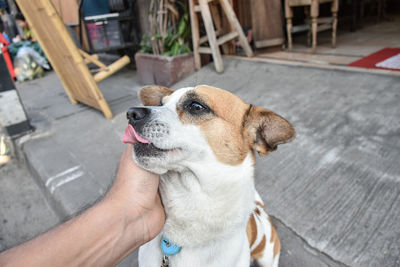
(213, 37)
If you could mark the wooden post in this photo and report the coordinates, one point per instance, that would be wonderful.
(289, 16)
(314, 12)
(212, 39)
(88, 61)
(334, 10)
(218, 24)
(194, 22)
(93, 59)
(236, 25)
(111, 69)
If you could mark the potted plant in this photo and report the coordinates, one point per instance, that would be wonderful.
(165, 56)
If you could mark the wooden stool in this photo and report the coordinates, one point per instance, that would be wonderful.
(212, 36)
(312, 7)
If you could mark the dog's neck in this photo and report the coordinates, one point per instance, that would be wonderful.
(205, 203)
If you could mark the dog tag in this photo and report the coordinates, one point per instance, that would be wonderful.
(165, 261)
(168, 248)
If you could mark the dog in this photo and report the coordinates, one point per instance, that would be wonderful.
(202, 141)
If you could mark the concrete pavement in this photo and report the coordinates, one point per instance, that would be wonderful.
(24, 212)
(333, 192)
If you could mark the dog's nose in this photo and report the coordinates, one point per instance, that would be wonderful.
(135, 115)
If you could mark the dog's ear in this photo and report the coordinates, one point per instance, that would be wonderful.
(153, 95)
(267, 130)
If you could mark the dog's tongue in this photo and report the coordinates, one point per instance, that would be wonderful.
(131, 137)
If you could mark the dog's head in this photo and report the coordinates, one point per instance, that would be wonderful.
(200, 124)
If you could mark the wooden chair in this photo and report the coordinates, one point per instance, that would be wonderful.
(210, 15)
(317, 24)
(69, 62)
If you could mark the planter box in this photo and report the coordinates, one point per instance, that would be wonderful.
(163, 70)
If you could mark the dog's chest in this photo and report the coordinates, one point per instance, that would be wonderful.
(197, 216)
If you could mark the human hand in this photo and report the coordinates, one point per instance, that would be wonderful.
(135, 193)
(130, 215)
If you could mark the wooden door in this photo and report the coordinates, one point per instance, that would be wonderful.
(267, 21)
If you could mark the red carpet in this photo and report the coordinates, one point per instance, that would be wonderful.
(370, 60)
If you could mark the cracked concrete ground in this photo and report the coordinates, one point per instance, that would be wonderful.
(333, 192)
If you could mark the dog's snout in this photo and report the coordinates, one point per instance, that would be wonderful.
(135, 115)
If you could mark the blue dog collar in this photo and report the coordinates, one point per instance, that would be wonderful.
(168, 248)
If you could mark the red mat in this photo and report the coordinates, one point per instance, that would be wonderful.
(370, 61)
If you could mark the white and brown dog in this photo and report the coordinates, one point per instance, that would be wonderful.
(202, 141)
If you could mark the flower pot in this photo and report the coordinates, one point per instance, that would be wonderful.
(163, 70)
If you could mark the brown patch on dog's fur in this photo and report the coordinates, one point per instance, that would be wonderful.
(260, 204)
(153, 95)
(274, 239)
(258, 252)
(234, 128)
(268, 130)
(251, 230)
(223, 128)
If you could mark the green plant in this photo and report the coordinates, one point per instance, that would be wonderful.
(169, 32)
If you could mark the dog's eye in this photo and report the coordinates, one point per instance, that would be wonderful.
(195, 107)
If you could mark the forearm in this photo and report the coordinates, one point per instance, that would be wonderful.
(99, 237)
(129, 215)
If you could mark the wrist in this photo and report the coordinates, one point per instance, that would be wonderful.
(140, 224)
(117, 234)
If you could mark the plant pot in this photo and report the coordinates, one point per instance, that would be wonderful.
(163, 70)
